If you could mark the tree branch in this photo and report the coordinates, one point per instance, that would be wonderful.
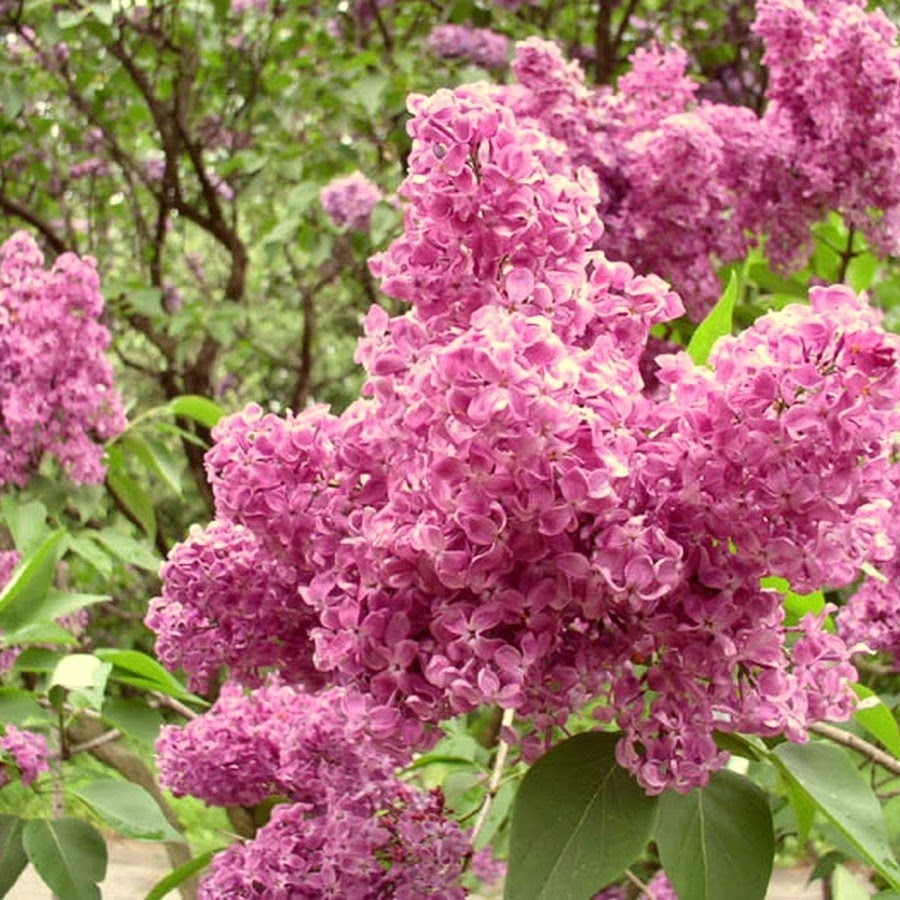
(14, 208)
(870, 751)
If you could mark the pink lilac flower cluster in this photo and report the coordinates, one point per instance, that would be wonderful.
(348, 201)
(56, 386)
(347, 826)
(243, 621)
(481, 46)
(666, 167)
(685, 183)
(660, 887)
(505, 517)
(834, 93)
(26, 751)
(870, 620)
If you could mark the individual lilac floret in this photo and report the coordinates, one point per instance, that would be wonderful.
(349, 827)
(481, 46)
(56, 386)
(27, 751)
(349, 201)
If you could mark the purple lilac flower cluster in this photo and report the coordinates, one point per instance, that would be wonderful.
(347, 826)
(834, 96)
(25, 750)
(348, 201)
(56, 386)
(505, 517)
(870, 620)
(481, 46)
(685, 182)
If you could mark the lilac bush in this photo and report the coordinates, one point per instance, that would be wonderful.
(538, 503)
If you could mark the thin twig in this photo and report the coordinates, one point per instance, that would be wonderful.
(177, 705)
(496, 775)
(643, 888)
(112, 735)
(839, 736)
(847, 255)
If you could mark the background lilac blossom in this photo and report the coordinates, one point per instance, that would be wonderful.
(56, 386)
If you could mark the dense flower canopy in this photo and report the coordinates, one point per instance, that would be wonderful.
(506, 518)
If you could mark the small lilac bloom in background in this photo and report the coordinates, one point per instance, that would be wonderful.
(348, 201)
(481, 46)
(27, 751)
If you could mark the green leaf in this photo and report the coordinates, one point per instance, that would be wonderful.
(828, 777)
(128, 550)
(804, 809)
(368, 91)
(134, 719)
(717, 324)
(19, 707)
(156, 457)
(12, 97)
(283, 232)
(825, 865)
(103, 12)
(132, 497)
(760, 274)
(846, 886)
(68, 854)
(178, 876)
(30, 582)
(37, 633)
(82, 545)
(26, 521)
(37, 659)
(200, 409)
(876, 717)
(57, 604)
(127, 808)
(861, 271)
(136, 668)
(717, 842)
(578, 821)
(12, 854)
